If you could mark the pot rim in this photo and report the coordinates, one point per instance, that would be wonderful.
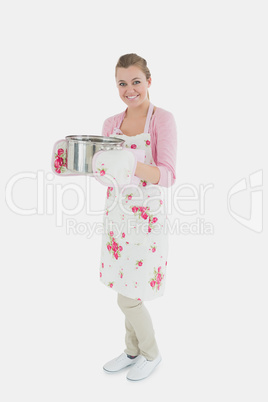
(91, 139)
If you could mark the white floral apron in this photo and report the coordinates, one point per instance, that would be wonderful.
(135, 241)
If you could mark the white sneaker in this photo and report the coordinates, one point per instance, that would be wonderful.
(119, 363)
(143, 368)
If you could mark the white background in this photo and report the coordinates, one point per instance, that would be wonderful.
(59, 324)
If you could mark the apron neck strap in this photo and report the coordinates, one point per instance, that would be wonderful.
(122, 118)
(148, 119)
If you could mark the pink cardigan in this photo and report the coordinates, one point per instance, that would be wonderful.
(163, 141)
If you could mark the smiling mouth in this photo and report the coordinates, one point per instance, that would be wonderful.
(132, 97)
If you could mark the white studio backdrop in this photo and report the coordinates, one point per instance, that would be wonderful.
(59, 325)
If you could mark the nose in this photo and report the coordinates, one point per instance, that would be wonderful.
(130, 89)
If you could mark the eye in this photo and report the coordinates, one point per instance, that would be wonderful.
(122, 84)
(136, 82)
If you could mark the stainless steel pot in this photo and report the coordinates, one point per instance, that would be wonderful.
(81, 149)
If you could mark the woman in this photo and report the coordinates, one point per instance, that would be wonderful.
(134, 251)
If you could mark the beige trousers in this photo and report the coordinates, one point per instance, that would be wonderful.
(140, 338)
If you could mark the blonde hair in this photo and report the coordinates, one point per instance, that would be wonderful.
(132, 59)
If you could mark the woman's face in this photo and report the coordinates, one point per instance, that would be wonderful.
(132, 85)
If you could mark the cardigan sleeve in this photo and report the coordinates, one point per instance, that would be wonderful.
(110, 123)
(107, 127)
(166, 148)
